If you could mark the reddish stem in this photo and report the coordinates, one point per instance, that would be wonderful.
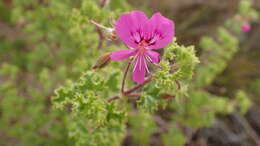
(112, 98)
(124, 78)
(138, 86)
(101, 37)
(130, 91)
(134, 95)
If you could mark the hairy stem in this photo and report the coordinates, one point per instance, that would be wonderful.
(138, 86)
(109, 30)
(130, 91)
(112, 98)
(124, 78)
(101, 38)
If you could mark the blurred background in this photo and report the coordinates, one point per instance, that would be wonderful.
(197, 18)
(26, 71)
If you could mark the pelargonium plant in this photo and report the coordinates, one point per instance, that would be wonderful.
(142, 36)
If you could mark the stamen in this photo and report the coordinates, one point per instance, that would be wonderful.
(146, 67)
(135, 61)
(148, 58)
(140, 62)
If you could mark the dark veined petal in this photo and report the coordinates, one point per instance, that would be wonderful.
(128, 25)
(160, 30)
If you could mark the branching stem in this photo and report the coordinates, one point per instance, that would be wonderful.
(112, 98)
(138, 86)
(133, 89)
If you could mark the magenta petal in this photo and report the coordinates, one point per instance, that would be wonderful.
(154, 56)
(122, 54)
(128, 24)
(164, 28)
(139, 70)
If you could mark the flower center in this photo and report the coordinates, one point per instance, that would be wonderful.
(143, 43)
(139, 38)
(142, 46)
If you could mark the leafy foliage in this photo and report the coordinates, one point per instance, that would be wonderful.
(57, 45)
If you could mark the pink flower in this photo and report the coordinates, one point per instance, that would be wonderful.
(246, 28)
(143, 36)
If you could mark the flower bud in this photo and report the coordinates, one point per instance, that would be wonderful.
(102, 61)
(166, 96)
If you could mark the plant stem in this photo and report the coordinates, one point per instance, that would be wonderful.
(112, 98)
(178, 84)
(101, 26)
(130, 91)
(138, 86)
(124, 78)
(101, 38)
(134, 95)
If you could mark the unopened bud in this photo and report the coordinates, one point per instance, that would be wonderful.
(102, 61)
(166, 96)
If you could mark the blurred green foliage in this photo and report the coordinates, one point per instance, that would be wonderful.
(58, 46)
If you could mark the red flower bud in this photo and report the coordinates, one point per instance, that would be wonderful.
(102, 61)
